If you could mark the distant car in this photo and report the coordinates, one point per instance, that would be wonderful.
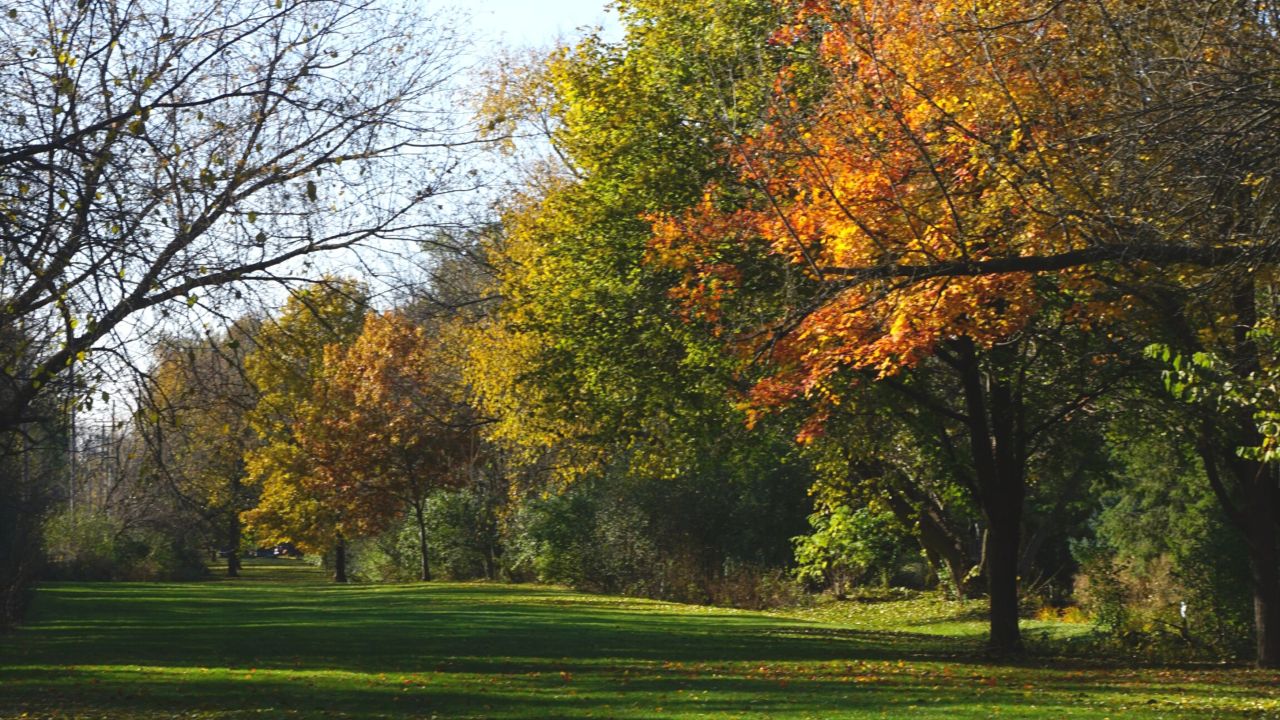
(286, 550)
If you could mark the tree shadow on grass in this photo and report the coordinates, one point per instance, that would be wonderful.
(237, 649)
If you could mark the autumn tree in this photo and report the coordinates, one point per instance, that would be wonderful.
(967, 168)
(194, 414)
(585, 366)
(393, 425)
(297, 501)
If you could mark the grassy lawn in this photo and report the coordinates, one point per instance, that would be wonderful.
(282, 643)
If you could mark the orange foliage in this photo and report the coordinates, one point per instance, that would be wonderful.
(942, 136)
(386, 427)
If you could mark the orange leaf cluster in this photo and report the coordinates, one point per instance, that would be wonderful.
(939, 138)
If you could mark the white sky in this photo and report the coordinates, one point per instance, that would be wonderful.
(534, 23)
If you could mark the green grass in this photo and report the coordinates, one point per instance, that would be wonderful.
(281, 643)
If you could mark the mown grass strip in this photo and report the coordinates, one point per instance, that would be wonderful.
(262, 647)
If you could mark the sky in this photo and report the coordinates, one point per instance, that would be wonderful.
(533, 23)
(512, 24)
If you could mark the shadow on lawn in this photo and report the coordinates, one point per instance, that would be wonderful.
(241, 648)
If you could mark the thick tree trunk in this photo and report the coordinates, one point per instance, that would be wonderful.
(233, 546)
(340, 560)
(1261, 523)
(1254, 509)
(994, 417)
(1004, 521)
(1260, 515)
(425, 574)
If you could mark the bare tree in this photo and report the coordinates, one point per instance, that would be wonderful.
(154, 154)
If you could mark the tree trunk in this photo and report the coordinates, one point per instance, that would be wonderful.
(993, 413)
(935, 536)
(1261, 523)
(233, 546)
(1003, 521)
(1253, 509)
(425, 574)
(1260, 515)
(340, 559)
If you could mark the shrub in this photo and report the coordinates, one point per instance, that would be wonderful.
(93, 545)
(850, 547)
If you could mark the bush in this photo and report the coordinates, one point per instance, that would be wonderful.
(577, 540)
(462, 542)
(91, 545)
(850, 547)
(1160, 540)
(462, 535)
(630, 539)
(1141, 605)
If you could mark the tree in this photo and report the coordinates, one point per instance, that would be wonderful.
(1030, 150)
(900, 163)
(584, 366)
(153, 154)
(195, 418)
(394, 425)
(297, 502)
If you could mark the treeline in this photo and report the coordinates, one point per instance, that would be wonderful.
(1004, 271)
(970, 296)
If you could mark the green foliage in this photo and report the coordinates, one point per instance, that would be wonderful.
(462, 539)
(462, 533)
(711, 538)
(92, 545)
(1161, 539)
(850, 546)
(1208, 380)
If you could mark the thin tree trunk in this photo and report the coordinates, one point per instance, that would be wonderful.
(936, 537)
(425, 574)
(1002, 576)
(340, 559)
(233, 546)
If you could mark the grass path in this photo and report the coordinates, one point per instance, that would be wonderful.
(282, 644)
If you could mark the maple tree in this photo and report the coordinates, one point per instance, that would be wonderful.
(968, 170)
(391, 425)
(296, 503)
(937, 145)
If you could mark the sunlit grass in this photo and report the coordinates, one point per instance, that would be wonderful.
(283, 643)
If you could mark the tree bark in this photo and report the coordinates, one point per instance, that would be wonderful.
(340, 559)
(1002, 575)
(994, 416)
(1261, 525)
(420, 516)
